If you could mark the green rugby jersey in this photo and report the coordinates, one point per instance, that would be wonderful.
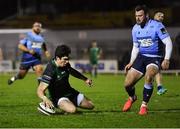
(57, 79)
(94, 53)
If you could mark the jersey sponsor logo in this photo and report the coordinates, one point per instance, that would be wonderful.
(157, 62)
(62, 72)
(163, 30)
(58, 76)
(145, 42)
(36, 44)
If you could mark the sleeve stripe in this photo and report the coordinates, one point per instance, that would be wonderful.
(45, 77)
(45, 81)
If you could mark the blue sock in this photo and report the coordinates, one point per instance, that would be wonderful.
(147, 92)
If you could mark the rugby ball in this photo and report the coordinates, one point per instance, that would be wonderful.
(45, 110)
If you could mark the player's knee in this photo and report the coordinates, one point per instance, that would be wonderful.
(149, 78)
(71, 109)
(21, 76)
(39, 71)
(127, 83)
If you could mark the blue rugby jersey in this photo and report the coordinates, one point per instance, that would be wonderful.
(32, 41)
(149, 39)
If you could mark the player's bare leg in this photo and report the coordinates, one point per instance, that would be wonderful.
(131, 78)
(66, 105)
(151, 71)
(86, 103)
(160, 88)
(20, 75)
(38, 70)
(95, 71)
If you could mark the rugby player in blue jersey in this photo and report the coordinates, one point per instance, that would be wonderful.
(146, 56)
(159, 16)
(31, 46)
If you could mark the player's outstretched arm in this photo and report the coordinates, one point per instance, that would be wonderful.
(77, 74)
(41, 94)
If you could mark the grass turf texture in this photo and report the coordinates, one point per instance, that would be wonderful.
(18, 105)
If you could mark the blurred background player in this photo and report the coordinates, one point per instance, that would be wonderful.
(1, 58)
(1, 55)
(159, 16)
(31, 46)
(146, 56)
(94, 55)
(55, 79)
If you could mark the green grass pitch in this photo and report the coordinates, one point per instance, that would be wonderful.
(18, 105)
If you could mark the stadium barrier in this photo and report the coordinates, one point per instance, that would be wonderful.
(105, 66)
(6, 66)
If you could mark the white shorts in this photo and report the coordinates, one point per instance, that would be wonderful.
(80, 98)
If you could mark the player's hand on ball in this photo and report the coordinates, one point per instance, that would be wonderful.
(47, 102)
(89, 82)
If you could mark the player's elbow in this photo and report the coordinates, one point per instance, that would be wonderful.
(20, 46)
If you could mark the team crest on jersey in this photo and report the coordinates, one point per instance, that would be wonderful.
(61, 75)
(62, 72)
(157, 62)
(164, 31)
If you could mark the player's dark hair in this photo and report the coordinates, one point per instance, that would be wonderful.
(37, 23)
(142, 7)
(62, 50)
(158, 12)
